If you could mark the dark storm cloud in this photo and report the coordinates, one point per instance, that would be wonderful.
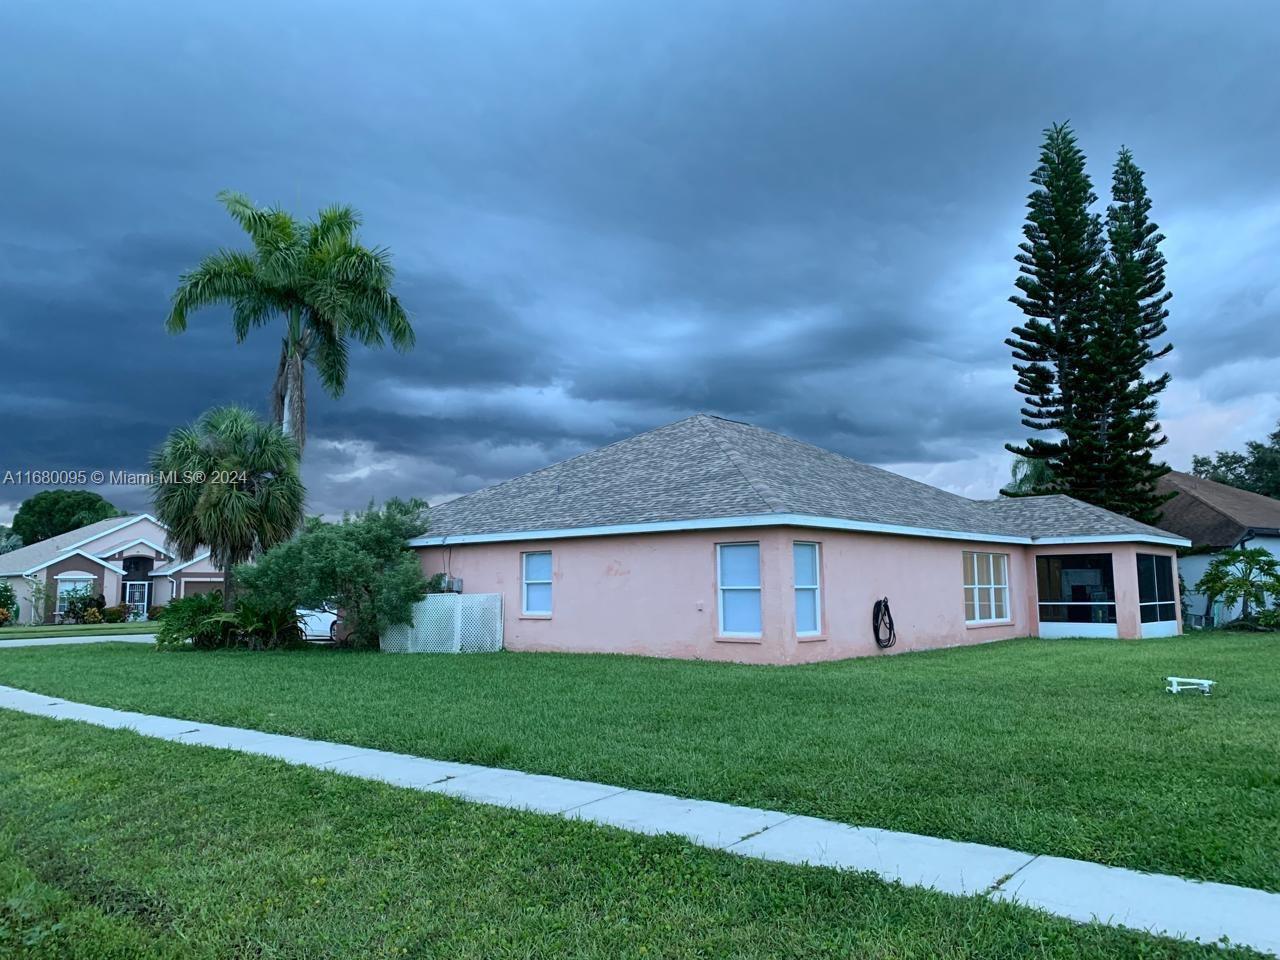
(606, 216)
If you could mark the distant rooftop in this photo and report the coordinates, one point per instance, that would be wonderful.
(1212, 514)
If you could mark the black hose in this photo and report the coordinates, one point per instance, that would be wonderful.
(882, 624)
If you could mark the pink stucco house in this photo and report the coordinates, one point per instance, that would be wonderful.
(714, 539)
(126, 560)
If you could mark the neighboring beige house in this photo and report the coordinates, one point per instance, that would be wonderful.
(713, 539)
(125, 559)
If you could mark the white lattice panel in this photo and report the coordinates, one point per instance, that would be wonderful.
(450, 623)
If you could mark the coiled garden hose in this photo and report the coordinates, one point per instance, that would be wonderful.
(882, 624)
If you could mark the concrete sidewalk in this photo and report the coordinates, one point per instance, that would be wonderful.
(1078, 890)
(83, 638)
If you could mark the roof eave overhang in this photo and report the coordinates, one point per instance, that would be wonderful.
(785, 520)
(67, 555)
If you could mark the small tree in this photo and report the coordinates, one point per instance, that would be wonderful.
(228, 482)
(1241, 576)
(40, 595)
(363, 566)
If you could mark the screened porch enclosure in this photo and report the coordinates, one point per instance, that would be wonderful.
(1077, 595)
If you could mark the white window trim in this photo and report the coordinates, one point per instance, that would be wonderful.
(70, 584)
(525, 581)
(991, 588)
(815, 587)
(721, 588)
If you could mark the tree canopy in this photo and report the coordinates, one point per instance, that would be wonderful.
(1257, 469)
(51, 512)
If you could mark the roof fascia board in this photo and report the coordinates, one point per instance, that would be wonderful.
(781, 520)
(67, 555)
(134, 543)
(106, 533)
(1114, 538)
(162, 572)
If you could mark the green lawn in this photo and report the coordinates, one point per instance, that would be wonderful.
(114, 846)
(1063, 747)
(77, 630)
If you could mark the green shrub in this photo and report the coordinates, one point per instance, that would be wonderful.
(362, 566)
(91, 615)
(117, 614)
(193, 620)
(1269, 619)
(8, 599)
(155, 613)
(200, 620)
(79, 602)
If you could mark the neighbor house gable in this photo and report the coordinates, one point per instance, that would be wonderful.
(70, 554)
(140, 528)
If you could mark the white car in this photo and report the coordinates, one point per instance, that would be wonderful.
(319, 624)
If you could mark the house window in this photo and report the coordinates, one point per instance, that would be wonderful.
(986, 587)
(738, 574)
(72, 587)
(1077, 588)
(1155, 588)
(805, 557)
(536, 590)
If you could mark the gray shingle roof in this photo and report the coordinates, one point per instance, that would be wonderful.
(24, 558)
(706, 467)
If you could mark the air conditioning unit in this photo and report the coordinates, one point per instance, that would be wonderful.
(451, 585)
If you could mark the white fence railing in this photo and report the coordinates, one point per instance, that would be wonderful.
(449, 623)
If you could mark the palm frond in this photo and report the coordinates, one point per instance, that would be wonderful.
(233, 520)
(222, 277)
(338, 222)
(330, 358)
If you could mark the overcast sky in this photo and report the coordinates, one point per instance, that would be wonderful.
(609, 215)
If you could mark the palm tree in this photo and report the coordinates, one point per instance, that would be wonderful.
(1245, 576)
(316, 277)
(1028, 476)
(228, 482)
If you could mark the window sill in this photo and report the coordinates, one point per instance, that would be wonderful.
(812, 638)
(535, 616)
(739, 638)
(980, 624)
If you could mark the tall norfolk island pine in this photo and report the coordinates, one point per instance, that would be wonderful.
(1133, 322)
(1060, 291)
(1094, 308)
(326, 287)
